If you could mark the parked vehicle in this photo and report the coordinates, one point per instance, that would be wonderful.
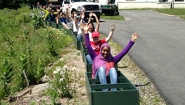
(89, 6)
(109, 7)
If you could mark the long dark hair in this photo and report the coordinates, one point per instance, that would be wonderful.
(92, 26)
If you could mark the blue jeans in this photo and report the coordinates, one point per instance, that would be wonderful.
(101, 74)
(89, 59)
(79, 36)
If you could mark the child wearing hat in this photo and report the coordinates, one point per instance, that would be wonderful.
(97, 42)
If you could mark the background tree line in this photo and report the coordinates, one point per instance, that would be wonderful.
(14, 4)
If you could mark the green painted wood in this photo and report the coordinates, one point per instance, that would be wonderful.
(83, 49)
(127, 93)
(60, 26)
(53, 24)
(48, 23)
(120, 80)
(76, 42)
(87, 65)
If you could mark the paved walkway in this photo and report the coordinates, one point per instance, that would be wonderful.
(159, 51)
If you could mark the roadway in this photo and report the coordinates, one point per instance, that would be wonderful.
(159, 50)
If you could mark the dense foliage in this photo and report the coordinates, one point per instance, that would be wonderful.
(27, 47)
(14, 4)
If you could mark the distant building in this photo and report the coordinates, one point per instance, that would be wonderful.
(130, 4)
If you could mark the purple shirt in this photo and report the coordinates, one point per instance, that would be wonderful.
(117, 58)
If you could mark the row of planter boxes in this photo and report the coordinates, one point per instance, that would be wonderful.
(127, 93)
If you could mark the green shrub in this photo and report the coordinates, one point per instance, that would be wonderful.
(6, 75)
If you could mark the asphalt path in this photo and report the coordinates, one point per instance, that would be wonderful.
(159, 50)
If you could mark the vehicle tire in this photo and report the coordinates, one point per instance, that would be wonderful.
(112, 13)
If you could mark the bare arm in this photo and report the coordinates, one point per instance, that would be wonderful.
(110, 33)
(75, 21)
(97, 22)
(83, 34)
(82, 15)
(118, 57)
(90, 15)
(90, 50)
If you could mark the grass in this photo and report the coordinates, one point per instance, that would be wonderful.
(117, 17)
(176, 11)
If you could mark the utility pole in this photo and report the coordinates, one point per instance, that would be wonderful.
(172, 4)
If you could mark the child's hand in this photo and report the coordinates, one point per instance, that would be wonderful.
(93, 14)
(134, 36)
(90, 14)
(68, 6)
(82, 26)
(75, 14)
(86, 27)
(112, 27)
(82, 16)
(83, 9)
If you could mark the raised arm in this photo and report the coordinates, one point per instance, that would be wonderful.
(75, 21)
(97, 22)
(110, 33)
(90, 15)
(90, 50)
(68, 12)
(82, 15)
(118, 57)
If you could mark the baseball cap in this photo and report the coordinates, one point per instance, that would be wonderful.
(95, 33)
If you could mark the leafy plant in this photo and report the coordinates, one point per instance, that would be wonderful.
(2, 102)
(51, 43)
(63, 84)
(12, 52)
(38, 21)
(39, 72)
(6, 75)
(23, 66)
(53, 95)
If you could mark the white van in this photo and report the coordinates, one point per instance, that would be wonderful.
(89, 5)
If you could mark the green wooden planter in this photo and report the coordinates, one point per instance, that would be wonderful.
(53, 24)
(60, 26)
(48, 23)
(76, 42)
(45, 22)
(83, 49)
(127, 93)
(87, 65)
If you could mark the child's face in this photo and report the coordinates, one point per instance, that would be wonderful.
(63, 15)
(105, 52)
(90, 27)
(95, 39)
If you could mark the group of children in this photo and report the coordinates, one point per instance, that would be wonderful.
(103, 63)
(99, 50)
